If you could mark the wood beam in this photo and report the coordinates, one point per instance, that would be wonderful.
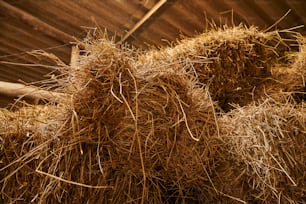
(144, 19)
(20, 90)
(74, 58)
(37, 24)
(74, 63)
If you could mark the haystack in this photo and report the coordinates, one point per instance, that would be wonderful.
(232, 62)
(287, 81)
(153, 133)
(265, 153)
(29, 136)
(147, 128)
(296, 75)
(124, 138)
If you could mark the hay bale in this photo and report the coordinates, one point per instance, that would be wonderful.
(125, 138)
(265, 153)
(230, 61)
(146, 129)
(28, 136)
(297, 83)
(287, 81)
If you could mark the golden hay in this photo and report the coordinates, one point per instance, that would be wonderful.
(230, 61)
(149, 128)
(266, 149)
(298, 70)
(127, 139)
(287, 81)
(144, 129)
(28, 136)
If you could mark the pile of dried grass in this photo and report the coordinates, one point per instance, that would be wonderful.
(152, 135)
(265, 153)
(28, 136)
(144, 129)
(132, 139)
(287, 81)
(231, 61)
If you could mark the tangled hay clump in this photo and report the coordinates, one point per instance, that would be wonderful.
(28, 136)
(132, 139)
(232, 62)
(149, 127)
(267, 145)
(296, 82)
(287, 80)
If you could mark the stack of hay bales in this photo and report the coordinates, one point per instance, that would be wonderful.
(147, 128)
(264, 142)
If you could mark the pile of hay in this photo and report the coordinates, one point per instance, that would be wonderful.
(287, 81)
(147, 128)
(149, 133)
(232, 62)
(28, 136)
(265, 152)
(132, 139)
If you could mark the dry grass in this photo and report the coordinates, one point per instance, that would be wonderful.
(143, 140)
(232, 62)
(146, 128)
(28, 136)
(266, 150)
(287, 81)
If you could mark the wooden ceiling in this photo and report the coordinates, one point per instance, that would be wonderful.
(55, 25)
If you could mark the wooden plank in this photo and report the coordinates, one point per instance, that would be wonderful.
(20, 90)
(75, 53)
(144, 19)
(74, 84)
